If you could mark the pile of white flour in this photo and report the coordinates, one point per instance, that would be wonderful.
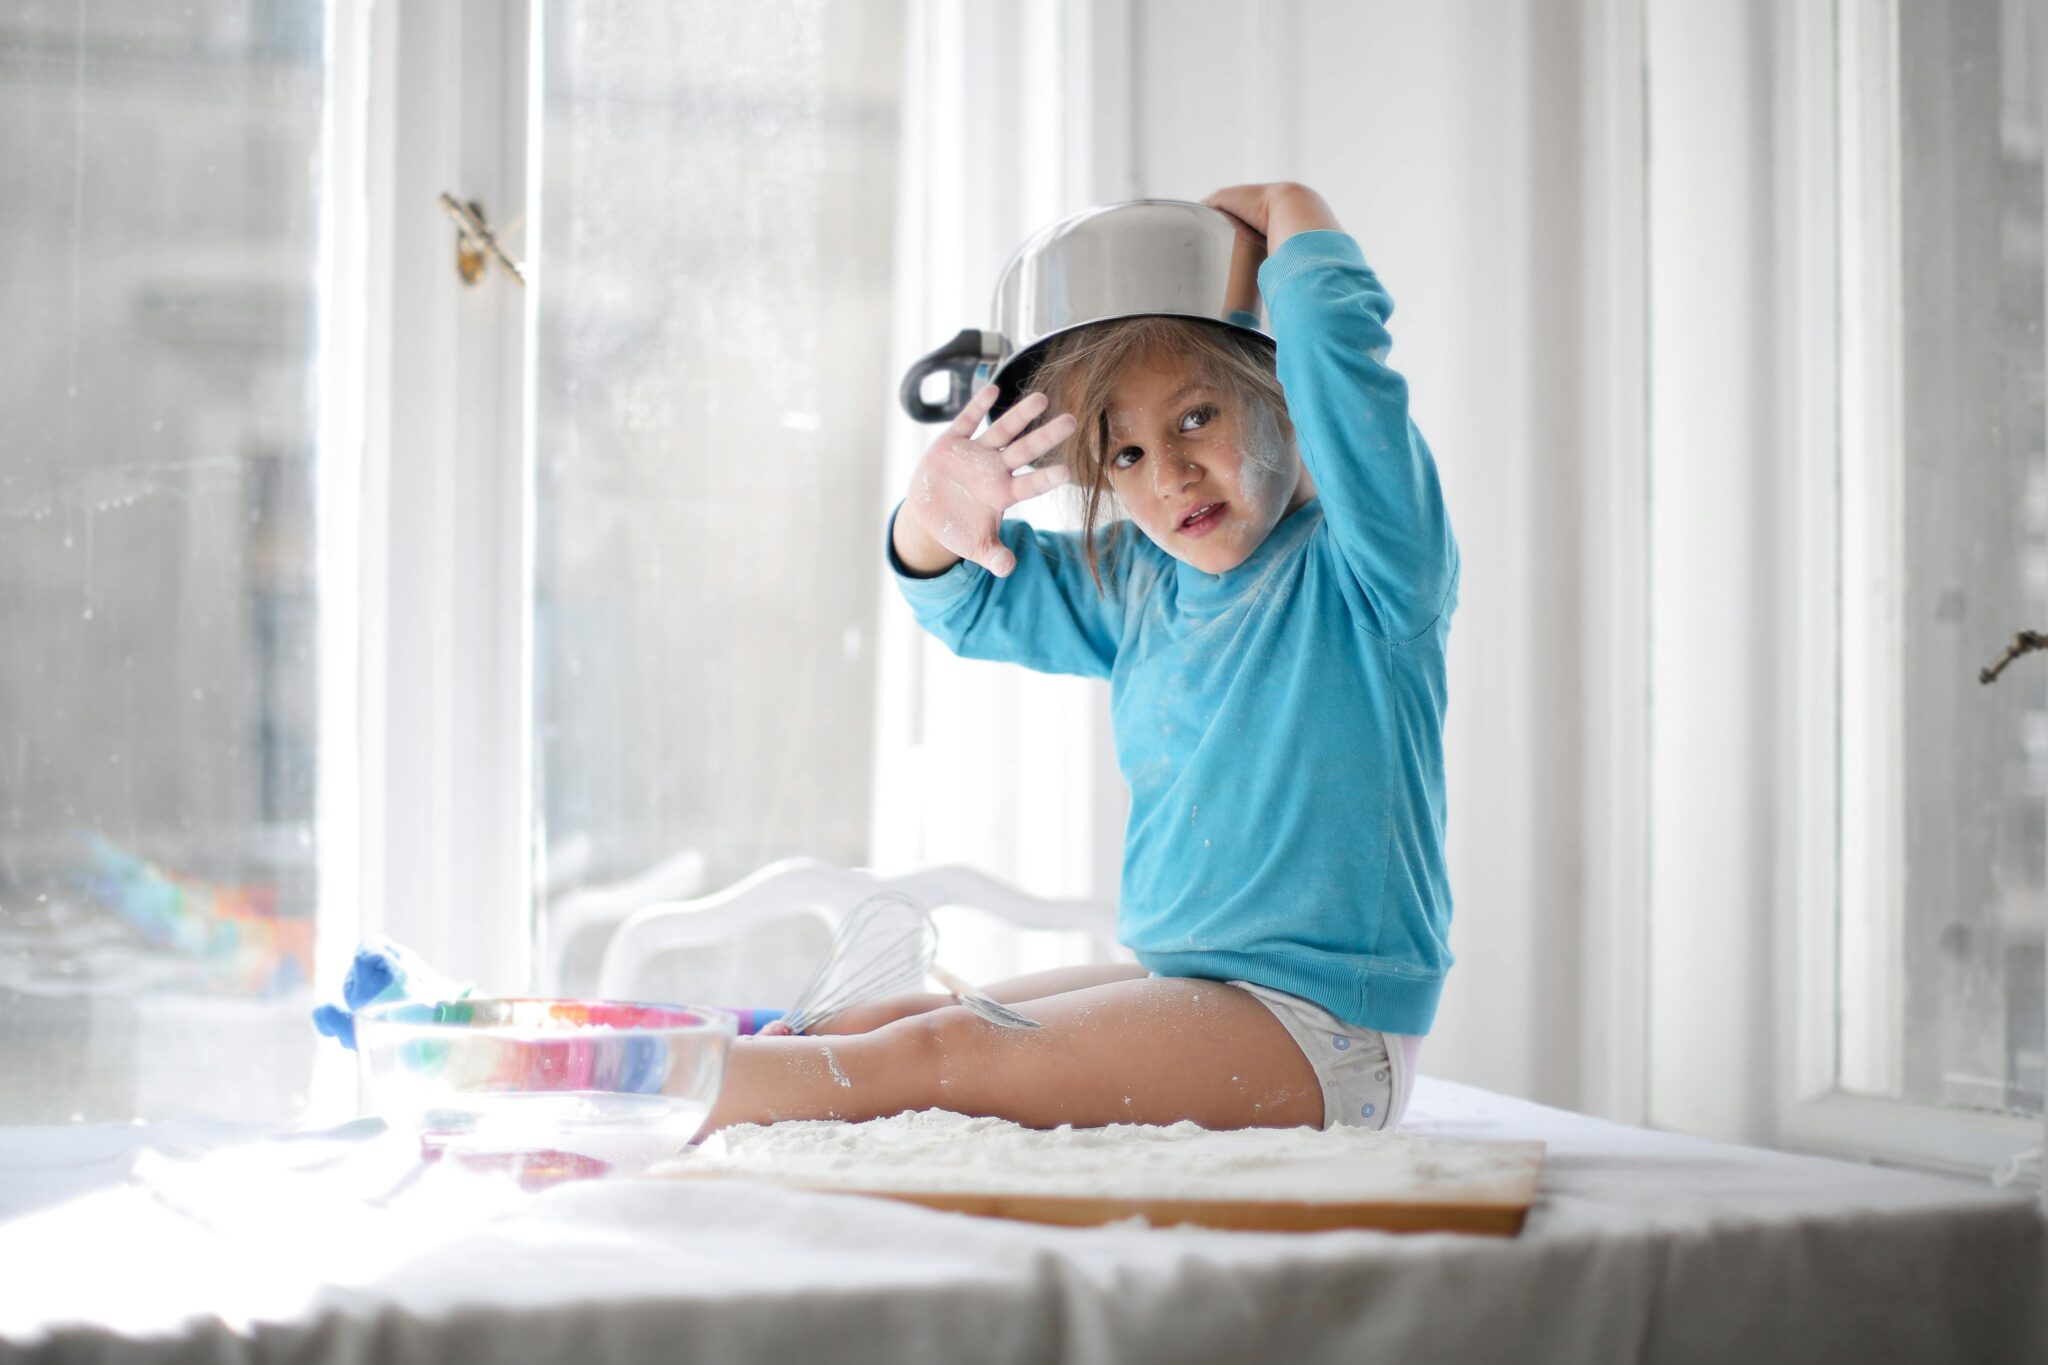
(938, 1151)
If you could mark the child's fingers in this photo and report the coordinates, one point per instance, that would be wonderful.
(1038, 481)
(1232, 199)
(976, 409)
(1028, 448)
(994, 556)
(1246, 204)
(1021, 414)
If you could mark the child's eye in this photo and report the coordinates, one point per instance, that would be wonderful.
(1126, 457)
(1207, 412)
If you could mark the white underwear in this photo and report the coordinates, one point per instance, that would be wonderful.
(1365, 1075)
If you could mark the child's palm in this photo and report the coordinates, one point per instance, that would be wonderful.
(965, 483)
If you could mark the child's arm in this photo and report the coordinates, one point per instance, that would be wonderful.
(1373, 471)
(995, 589)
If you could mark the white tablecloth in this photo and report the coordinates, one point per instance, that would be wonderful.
(1642, 1245)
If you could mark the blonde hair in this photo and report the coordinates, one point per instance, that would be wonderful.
(1079, 374)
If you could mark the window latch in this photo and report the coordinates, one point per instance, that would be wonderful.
(475, 244)
(2026, 642)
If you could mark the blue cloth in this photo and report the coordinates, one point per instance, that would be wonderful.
(1280, 725)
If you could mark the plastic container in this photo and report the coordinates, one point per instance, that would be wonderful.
(576, 1087)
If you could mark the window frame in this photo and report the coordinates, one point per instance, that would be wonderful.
(344, 239)
(1816, 88)
(433, 842)
(432, 830)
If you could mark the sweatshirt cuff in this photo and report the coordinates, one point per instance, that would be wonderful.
(936, 591)
(1306, 251)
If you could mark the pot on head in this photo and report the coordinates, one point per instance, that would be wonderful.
(1140, 258)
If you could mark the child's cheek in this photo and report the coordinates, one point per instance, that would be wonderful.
(1265, 478)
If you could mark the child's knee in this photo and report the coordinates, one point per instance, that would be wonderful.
(947, 1041)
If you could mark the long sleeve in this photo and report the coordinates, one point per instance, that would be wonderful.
(1046, 615)
(1374, 474)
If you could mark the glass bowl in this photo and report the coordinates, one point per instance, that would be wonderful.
(547, 1087)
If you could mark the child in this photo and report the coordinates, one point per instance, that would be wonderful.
(1274, 637)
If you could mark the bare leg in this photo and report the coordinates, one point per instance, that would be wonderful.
(873, 1014)
(1060, 980)
(1129, 1051)
(870, 1015)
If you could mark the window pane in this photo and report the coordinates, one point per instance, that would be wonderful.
(158, 243)
(1945, 559)
(712, 399)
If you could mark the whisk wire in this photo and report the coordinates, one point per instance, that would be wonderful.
(886, 943)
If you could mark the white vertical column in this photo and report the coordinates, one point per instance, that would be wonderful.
(344, 255)
(1614, 943)
(1873, 871)
(446, 530)
(1815, 319)
(1711, 573)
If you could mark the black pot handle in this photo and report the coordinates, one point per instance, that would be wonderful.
(961, 359)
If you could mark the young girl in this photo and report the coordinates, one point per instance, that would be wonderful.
(1274, 639)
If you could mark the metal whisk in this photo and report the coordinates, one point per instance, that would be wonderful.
(884, 945)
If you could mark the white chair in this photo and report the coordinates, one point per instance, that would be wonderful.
(756, 942)
(580, 923)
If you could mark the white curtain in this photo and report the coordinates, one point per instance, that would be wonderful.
(983, 763)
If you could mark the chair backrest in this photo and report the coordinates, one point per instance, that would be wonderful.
(754, 966)
(578, 924)
(756, 942)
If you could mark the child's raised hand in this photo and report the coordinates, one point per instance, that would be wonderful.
(1276, 211)
(966, 482)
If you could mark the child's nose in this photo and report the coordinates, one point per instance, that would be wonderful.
(1175, 470)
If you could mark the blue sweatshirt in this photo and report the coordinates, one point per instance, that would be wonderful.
(1280, 725)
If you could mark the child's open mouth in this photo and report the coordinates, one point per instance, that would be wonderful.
(1203, 519)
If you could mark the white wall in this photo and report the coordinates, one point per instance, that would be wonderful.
(1447, 138)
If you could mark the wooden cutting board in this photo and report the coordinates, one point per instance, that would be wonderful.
(1493, 1199)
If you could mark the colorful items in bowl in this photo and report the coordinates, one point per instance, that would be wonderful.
(615, 1085)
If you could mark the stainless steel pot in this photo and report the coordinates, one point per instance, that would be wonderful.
(1144, 257)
